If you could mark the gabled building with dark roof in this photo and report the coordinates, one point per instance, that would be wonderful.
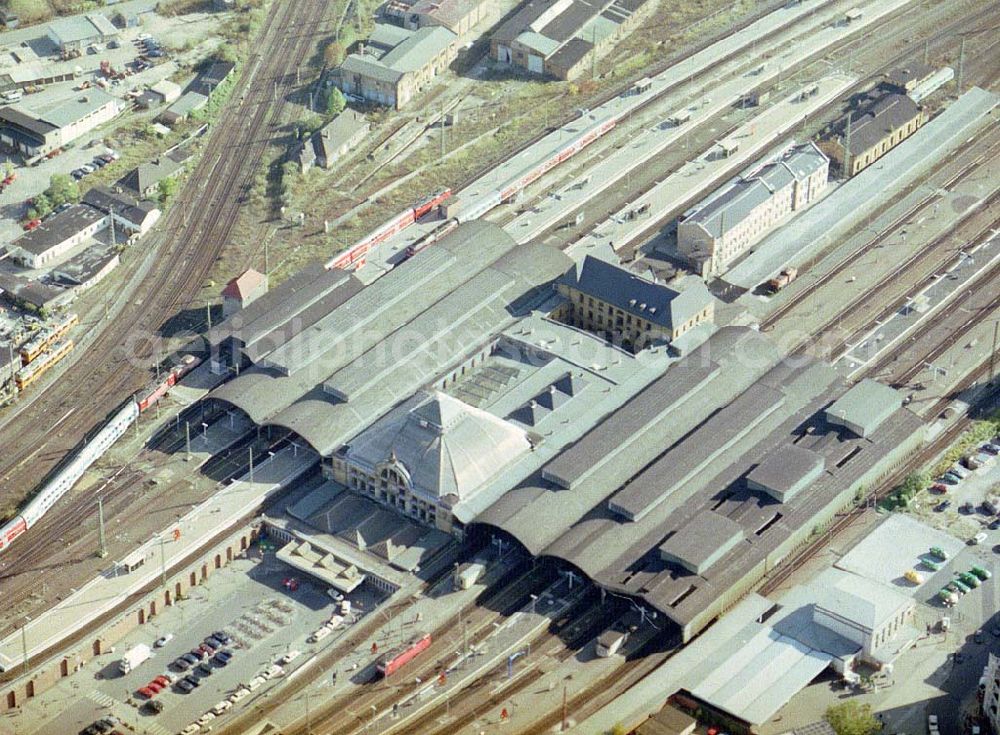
(458, 16)
(628, 309)
(334, 140)
(877, 123)
(144, 179)
(134, 216)
(561, 38)
(57, 235)
(724, 225)
(393, 75)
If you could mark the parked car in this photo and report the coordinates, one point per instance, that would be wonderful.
(948, 479)
(978, 538)
(289, 657)
(100, 162)
(162, 680)
(991, 448)
(205, 668)
(32, 224)
(145, 692)
(192, 657)
(154, 687)
(950, 475)
(163, 640)
(155, 706)
(78, 173)
(211, 644)
(222, 658)
(995, 524)
(967, 508)
(942, 506)
(154, 53)
(939, 487)
(192, 680)
(185, 686)
(222, 636)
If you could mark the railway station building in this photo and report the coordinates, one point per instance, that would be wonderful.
(728, 222)
(630, 310)
(877, 123)
(701, 522)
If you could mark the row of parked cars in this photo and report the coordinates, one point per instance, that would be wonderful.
(241, 693)
(99, 162)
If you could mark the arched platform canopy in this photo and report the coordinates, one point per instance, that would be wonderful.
(396, 336)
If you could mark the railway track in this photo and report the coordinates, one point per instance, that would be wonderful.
(902, 373)
(342, 713)
(934, 248)
(196, 229)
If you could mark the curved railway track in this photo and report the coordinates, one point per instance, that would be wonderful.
(195, 232)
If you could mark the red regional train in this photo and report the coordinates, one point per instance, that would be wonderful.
(354, 257)
(151, 395)
(397, 658)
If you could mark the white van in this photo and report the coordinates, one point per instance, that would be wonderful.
(12, 95)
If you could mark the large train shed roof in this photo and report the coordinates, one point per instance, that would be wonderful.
(395, 336)
(626, 528)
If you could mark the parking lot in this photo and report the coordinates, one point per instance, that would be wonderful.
(249, 601)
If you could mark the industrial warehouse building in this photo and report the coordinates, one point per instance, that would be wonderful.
(877, 122)
(395, 64)
(35, 134)
(65, 230)
(677, 480)
(458, 16)
(562, 39)
(723, 226)
(76, 32)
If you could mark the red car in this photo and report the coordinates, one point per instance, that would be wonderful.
(146, 692)
(939, 487)
(154, 687)
(163, 681)
(32, 224)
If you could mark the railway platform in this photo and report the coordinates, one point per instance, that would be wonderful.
(865, 194)
(389, 253)
(732, 152)
(197, 527)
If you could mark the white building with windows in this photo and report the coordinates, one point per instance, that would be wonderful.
(723, 226)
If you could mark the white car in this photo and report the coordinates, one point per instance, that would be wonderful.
(191, 729)
(977, 539)
(205, 718)
(932, 721)
(272, 671)
(163, 640)
(143, 37)
(240, 694)
(289, 657)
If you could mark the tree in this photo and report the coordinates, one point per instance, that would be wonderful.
(334, 53)
(913, 484)
(851, 718)
(335, 103)
(227, 52)
(40, 206)
(62, 189)
(167, 188)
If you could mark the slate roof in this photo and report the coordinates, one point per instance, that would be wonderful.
(369, 66)
(726, 208)
(876, 117)
(147, 175)
(635, 295)
(447, 12)
(75, 29)
(57, 229)
(447, 447)
(125, 206)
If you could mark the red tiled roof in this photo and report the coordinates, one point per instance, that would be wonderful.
(244, 284)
